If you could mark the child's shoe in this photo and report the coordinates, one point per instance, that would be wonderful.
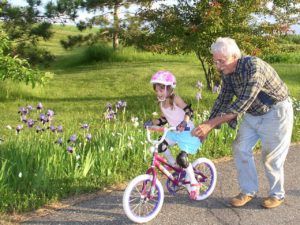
(194, 191)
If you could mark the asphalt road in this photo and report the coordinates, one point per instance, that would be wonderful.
(106, 208)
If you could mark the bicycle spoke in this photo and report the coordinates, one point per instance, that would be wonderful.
(142, 206)
(137, 205)
(133, 199)
(138, 190)
(203, 188)
(139, 202)
(148, 208)
(152, 204)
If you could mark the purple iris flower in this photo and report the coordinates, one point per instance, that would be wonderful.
(43, 118)
(110, 115)
(108, 106)
(216, 89)
(39, 129)
(24, 119)
(29, 108)
(59, 141)
(84, 126)
(30, 123)
(52, 128)
(59, 129)
(19, 128)
(198, 96)
(72, 138)
(50, 113)
(121, 104)
(70, 149)
(39, 106)
(88, 137)
(23, 111)
(199, 84)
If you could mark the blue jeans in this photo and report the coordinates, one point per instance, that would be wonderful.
(274, 129)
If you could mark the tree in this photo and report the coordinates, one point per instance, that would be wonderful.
(192, 26)
(109, 28)
(25, 26)
(284, 14)
(15, 68)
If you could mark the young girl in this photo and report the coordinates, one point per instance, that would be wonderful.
(177, 113)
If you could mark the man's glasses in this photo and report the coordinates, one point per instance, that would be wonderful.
(220, 61)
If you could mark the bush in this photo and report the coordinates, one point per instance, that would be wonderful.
(99, 53)
(295, 39)
(292, 58)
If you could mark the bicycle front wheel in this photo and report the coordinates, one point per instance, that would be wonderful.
(140, 203)
(206, 175)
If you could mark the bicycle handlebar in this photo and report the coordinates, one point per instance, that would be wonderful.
(163, 130)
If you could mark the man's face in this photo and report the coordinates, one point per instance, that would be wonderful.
(225, 65)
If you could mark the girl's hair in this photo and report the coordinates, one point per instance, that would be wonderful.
(226, 46)
(172, 95)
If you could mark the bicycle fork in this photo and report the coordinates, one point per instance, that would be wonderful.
(151, 193)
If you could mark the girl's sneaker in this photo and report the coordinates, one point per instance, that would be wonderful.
(194, 190)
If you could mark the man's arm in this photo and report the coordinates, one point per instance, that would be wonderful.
(203, 129)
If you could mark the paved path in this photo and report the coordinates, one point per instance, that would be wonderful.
(107, 208)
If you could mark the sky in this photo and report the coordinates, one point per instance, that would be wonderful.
(84, 14)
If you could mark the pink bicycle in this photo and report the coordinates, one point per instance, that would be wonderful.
(144, 196)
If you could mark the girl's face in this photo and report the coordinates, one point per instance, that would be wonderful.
(162, 92)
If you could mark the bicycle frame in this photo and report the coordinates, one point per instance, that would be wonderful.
(160, 163)
(144, 196)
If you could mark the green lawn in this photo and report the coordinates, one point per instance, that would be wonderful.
(34, 170)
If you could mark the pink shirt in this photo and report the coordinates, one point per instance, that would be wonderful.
(174, 115)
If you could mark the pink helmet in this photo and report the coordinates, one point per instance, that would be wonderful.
(165, 78)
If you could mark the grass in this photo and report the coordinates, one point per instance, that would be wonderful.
(289, 57)
(34, 170)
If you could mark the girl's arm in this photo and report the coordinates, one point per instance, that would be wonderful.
(156, 122)
(160, 121)
(187, 108)
(179, 102)
(188, 112)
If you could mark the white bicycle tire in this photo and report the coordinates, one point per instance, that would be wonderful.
(126, 199)
(213, 172)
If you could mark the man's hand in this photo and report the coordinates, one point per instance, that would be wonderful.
(202, 130)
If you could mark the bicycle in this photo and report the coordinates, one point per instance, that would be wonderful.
(144, 195)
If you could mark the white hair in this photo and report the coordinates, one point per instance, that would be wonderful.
(226, 46)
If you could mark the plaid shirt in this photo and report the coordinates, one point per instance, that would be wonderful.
(249, 78)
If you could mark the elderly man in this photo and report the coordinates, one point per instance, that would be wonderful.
(261, 99)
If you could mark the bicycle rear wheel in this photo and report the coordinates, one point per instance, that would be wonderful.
(206, 175)
(138, 204)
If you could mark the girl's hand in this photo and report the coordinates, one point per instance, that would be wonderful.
(181, 127)
(148, 123)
